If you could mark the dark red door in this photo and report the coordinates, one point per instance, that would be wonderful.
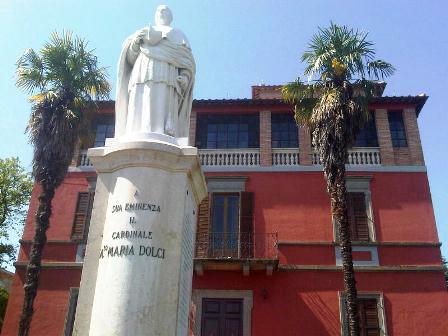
(222, 317)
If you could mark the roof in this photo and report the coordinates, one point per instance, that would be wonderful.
(264, 91)
(418, 101)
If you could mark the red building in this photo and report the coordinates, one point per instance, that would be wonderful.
(267, 257)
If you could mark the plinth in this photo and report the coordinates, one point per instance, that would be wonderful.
(139, 258)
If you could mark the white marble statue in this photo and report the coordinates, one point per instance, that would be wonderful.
(156, 74)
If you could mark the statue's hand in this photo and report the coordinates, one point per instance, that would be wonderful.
(138, 39)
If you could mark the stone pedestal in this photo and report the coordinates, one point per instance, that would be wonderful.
(139, 259)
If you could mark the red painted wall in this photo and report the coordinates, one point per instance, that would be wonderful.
(403, 208)
(64, 206)
(307, 255)
(307, 302)
(297, 206)
(51, 302)
(53, 252)
(409, 255)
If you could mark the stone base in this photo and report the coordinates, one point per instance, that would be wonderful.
(139, 259)
(148, 137)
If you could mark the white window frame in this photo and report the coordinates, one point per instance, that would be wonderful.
(71, 311)
(246, 295)
(364, 295)
(360, 184)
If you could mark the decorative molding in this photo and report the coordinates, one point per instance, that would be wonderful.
(317, 168)
(92, 183)
(246, 295)
(226, 183)
(358, 183)
(22, 264)
(305, 243)
(55, 241)
(373, 256)
(80, 252)
(403, 244)
(225, 178)
(299, 168)
(81, 169)
(362, 268)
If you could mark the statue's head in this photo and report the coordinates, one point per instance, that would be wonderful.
(163, 16)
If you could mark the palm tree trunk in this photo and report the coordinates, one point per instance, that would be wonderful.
(339, 205)
(32, 272)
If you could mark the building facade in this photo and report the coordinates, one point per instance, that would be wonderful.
(267, 258)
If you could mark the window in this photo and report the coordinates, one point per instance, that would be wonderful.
(359, 209)
(357, 216)
(222, 317)
(225, 226)
(71, 312)
(397, 130)
(367, 136)
(231, 306)
(82, 215)
(228, 131)
(103, 131)
(284, 131)
(371, 315)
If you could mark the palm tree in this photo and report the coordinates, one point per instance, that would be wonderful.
(66, 80)
(340, 64)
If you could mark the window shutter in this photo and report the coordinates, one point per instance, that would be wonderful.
(357, 216)
(246, 224)
(89, 215)
(368, 317)
(82, 216)
(203, 227)
(71, 312)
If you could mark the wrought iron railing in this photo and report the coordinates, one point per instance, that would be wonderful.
(237, 246)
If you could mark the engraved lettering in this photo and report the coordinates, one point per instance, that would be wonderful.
(117, 208)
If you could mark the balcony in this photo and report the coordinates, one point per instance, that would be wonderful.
(285, 157)
(244, 157)
(281, 157)
(236, 251)
(83, 159)
(358, 156)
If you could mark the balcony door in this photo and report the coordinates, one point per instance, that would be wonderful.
(224, 233)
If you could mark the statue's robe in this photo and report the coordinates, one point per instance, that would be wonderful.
(149, 97)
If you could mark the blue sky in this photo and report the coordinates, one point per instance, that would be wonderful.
(240, 43)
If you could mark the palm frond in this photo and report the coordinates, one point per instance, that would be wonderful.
(379, 68)
(302, 97)
(349, 49)
(43, 96)
(30, 71)
(66, 79)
